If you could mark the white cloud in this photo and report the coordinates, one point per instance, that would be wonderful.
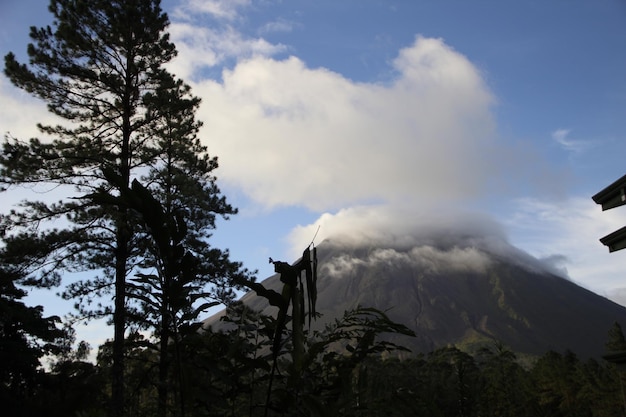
(219, 9)
(558, 237)
(434, 240)
(204, 47)
(561, 136)
(571, 228)
(398, 227)
(288, 135)
(426, 258)
(279, 25)
(618, 295)
(21, 112)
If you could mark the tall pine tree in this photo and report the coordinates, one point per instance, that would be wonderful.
(100, 67)
(178, 207)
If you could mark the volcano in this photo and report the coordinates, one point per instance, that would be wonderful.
(467, 291)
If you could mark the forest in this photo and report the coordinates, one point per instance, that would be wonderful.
(136, 203)
(346, 370)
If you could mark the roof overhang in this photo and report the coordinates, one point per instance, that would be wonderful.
(616, 240)
(612, 196)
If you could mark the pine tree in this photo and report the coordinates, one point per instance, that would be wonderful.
(168, 295)
(100, 68)
(616, 341)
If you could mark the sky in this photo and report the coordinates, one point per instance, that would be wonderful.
(357, 116)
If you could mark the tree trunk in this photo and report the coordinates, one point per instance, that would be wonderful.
(119, 324)
(162, 388)
(122, 250)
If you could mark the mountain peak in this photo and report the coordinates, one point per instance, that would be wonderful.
(465, 289)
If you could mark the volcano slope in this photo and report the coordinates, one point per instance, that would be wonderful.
(468, 291)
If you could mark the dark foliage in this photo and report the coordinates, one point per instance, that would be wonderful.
(25, 337)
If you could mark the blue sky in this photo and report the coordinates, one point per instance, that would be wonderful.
(362, 114)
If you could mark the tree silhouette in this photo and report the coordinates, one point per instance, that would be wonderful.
(100, 68)
(25, 337)
(616, 341)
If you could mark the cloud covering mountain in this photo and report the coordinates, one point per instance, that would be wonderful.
(459, 287)
(434, 241)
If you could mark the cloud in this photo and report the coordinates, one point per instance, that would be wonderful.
(291, 135)
(432, 240)
(206, 44)
(21, 112)
(219, 9)
(425, 258)
(397, 227)
(559, 237)
(200, 48)
(576, 146)
(618, 295)
(571, 228)
(19, 117)
(279, 25)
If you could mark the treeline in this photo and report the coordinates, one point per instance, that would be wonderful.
(348, 371)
